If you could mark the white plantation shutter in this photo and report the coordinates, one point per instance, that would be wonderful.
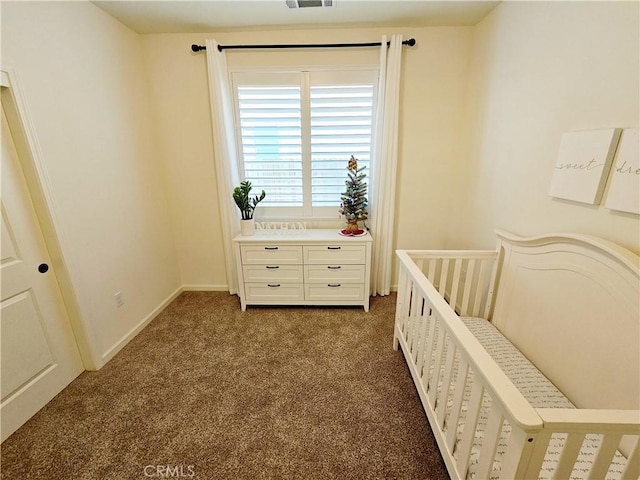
(271, 136)
(297, 132)
(341, 123)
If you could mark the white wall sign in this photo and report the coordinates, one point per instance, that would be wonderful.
(624, 189)
(281, 227)
(583, 163)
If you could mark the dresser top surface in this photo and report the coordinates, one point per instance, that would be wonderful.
(302, 236)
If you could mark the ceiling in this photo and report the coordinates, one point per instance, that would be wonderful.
(159, 16)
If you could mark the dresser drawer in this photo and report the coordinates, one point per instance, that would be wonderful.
(273, 273)
(334, 291)
(271, 254)
(268, 292)
(334, 254)
(334, 273)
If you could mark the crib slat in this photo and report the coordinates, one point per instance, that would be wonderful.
(457, 267)
(444, 275)
(416, 300)
(414, 317)
(490, 443)
(456, 407)
(401, 304)
(469, 431)
(441, 404)
(632, 470)
(424, 326)
(467, 287)
(540, 447)
(606, 452)
(418, 334)
(442, 334)
(490, 288)
(569, 454)
(406, 304)
(519, 452)
(426, 368)
(432, 270)
(413, 312)
(479, 289)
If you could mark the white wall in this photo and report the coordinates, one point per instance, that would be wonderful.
(433, 93)
(540, 69)
(482, 112)
(84, 81)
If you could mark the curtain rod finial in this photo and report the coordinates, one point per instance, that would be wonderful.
(196, 48)
(411, 42)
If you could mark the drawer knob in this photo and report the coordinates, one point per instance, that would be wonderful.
(334, 268)
(273, 285)
(333, 248)
(270, 248)
(272, 267)
(333, 285)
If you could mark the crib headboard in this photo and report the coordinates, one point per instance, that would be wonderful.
(571, 304)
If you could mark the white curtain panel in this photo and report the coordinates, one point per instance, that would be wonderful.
(225, 153)
(385, 162)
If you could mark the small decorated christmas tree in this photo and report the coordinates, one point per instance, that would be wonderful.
(354, 200)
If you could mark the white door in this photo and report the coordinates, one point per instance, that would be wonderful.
(39, 355)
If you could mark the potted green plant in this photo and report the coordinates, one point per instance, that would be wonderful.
(246, 204)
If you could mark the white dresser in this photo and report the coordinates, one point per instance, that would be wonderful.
(311, 267)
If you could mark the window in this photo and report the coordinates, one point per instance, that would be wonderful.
(296, 132)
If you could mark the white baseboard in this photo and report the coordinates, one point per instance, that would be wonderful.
(111, 352)
(205, 288)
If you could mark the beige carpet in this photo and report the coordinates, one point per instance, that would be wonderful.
(215, 393)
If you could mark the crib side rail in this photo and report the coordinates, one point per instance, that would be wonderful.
(446, 362)
(619, 431)
(465, 278)
(625, 422)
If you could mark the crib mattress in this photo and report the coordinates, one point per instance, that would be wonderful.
(540, 392)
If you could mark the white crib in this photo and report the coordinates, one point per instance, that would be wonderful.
(568, 304)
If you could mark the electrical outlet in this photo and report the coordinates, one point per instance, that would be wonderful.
(119, 299)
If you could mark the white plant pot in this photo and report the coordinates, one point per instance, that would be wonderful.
(247, 228)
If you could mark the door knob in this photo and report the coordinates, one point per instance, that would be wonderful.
(43, 268)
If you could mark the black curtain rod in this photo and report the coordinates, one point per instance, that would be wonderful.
(196, 48)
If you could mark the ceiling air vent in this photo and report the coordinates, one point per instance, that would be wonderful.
(309, 3)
